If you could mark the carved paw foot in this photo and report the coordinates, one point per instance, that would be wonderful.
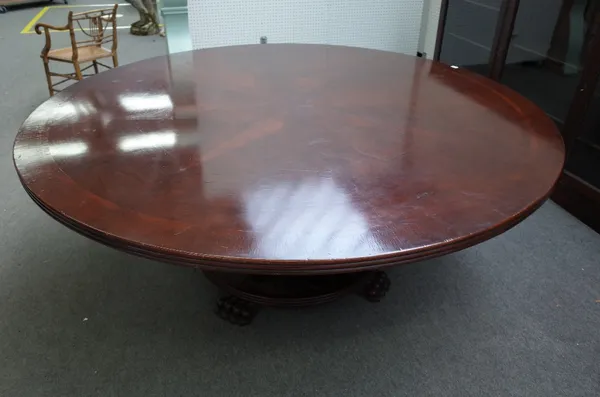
(377, 287)
(235, 310)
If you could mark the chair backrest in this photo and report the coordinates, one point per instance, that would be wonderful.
(99, 28)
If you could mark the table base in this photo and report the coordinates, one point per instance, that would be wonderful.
(248, 293)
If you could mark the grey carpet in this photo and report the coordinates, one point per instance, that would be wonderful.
(516, 316)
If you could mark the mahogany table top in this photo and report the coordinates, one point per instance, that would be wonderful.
(288, 158)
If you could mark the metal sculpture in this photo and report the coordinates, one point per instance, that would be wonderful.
(148, 23)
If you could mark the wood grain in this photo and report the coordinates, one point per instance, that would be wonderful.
(288, 159)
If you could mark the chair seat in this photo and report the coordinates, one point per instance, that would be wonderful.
(85, 54)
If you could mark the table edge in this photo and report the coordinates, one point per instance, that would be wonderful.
(289, 266)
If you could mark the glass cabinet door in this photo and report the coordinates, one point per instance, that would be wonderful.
(549, 52)
(549, 48)
(545, 55)
(469, 31)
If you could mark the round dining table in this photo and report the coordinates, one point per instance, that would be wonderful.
(290, 174)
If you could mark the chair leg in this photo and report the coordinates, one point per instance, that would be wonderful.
(95, 67)
(115, 61)
(48, 78)
(77, 71)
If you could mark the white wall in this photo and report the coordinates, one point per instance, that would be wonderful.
(392, 25)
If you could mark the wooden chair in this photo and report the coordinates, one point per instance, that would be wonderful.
(90, 49)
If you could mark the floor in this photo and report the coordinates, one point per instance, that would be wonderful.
(516, 316)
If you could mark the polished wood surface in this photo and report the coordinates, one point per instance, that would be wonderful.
(288, 159)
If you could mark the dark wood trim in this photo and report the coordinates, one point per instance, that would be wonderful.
(440, 31)
(575, 120)
(247, 294)
(579, 198)
(592, 9)
(262, 267)
(502, 38)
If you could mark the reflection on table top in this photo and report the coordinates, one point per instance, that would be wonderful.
(288, 157)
